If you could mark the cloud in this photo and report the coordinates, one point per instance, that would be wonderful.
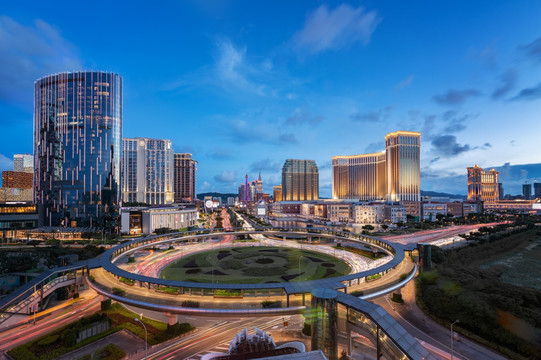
(455, 97)
(265, 165)
(374, 116)
(301, 116)
(404, 83)
(28, 53)
(6, 164)
(533, 49)
(227, 176)
(532, 93)
(288, 139)
(220, 154)
(455, 121)
(233, 70)
(486, 56)
(374, 147)
(334, 29)
(446, 146)
(508, 83)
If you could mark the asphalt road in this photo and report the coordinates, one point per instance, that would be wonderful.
(425, 329)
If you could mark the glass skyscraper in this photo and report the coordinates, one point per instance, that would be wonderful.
(77, 147)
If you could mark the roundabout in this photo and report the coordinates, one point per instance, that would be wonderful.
(254, 265)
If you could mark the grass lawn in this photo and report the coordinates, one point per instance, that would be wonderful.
(256, 264)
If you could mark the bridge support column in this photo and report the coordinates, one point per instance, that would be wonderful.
(378, 345)
(287, 300)
(303, 299)
(172, 318)
(325, 322)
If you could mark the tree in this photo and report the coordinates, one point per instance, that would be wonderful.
(384, 227)
(368, 227)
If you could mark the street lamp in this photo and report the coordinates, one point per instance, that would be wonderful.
(146, 337)
(456, 321)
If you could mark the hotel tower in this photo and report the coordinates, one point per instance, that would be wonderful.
(483, 185)
(390, 175)
(77, 139)
(147, 171)
(300, 180)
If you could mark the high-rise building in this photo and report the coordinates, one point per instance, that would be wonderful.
(258, 185)
(147, 171)
(277, 193)
(500, 191)
(527, 191)
(537, 190)
(300, 180)
(184, 175)
(392, 175)
(23, 163)
(482, 185)
(402, 156)
(77, 147)
(361, 177)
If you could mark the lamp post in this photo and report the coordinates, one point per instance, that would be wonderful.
(456, 321)
(146, 337)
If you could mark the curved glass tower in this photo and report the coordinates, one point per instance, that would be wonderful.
(77, 147)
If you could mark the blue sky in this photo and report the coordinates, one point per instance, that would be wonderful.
(244, 85)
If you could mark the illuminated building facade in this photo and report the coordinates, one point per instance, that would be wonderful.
(184, 175)
(483, 185)
(77, 147)
(277, 193)
(17, 179)
(392, 175)
(300, 180)
(361, 177)
(403, 154)
(147, 171)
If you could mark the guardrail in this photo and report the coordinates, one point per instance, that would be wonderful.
(36, 296)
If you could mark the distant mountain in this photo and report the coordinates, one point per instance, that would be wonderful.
(441, 194)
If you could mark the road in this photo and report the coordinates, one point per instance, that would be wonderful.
(425, 329)
(217, 337)
(26, 331)
(429, 236)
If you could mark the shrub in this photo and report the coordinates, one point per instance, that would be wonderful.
(118, 291)
(48, 340)
(397, 298)
(357, 293)
(267, 304)
(307, 329)
(190, 303)
(105, 305)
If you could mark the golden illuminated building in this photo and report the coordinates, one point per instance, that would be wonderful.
(300, 180)
(483, 185)
(277, 193)
(359, 176)
(17, 179)
(392, 175)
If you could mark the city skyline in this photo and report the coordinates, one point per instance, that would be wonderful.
(333, 79)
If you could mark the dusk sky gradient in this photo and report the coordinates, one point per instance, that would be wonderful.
(244, 85)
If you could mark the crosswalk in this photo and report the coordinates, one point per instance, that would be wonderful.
(221, 348)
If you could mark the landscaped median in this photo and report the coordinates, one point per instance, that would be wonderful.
(69, 338)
